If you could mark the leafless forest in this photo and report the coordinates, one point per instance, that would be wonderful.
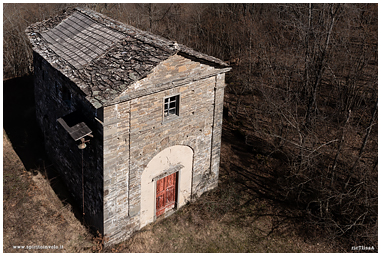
(302, 95)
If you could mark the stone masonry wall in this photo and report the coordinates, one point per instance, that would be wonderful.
(129, 134)
(116, 169)
(61, 148)
(176, 71)
(149, 134)
(217, 126)
(193, 128)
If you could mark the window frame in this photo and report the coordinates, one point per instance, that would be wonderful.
(167, 115)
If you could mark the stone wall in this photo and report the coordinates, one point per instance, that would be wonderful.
(150, 134)
(197, 126)
(129, 134)
(61, 148)
(217, 127)
(176, 71)
(116, 170)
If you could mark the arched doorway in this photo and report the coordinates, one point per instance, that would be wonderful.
(166, 182)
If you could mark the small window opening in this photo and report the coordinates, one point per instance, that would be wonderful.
(171, 106)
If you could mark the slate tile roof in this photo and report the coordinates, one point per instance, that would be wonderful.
(102, 56)
(79, 39)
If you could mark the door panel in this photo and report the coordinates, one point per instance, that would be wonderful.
(165, 193)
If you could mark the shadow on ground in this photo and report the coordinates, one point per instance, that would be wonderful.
(20, 125)
(256, 170)
(257, 166)
(243, 166)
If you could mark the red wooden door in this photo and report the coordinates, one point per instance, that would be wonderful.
(165, 193)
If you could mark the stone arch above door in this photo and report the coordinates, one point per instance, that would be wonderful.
(177, 158)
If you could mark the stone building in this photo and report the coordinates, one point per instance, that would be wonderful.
(132, 121)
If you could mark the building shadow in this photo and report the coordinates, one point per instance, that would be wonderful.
(251, 169)
(19, 121)
(20, 125)
(256, 180)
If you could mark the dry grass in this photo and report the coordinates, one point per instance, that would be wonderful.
(231, 218)
(33, 215)
(222, 220)
(243, 214)
(227, 219)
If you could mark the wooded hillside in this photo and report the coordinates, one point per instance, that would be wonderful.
(302, 94)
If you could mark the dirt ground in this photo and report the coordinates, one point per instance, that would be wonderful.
(241, 215)
(34, 218)
(220, 221)
(228, 219)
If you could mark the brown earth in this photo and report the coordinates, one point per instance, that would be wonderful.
(241, 215)
(33, 215)
(220, 221)
(229, 219)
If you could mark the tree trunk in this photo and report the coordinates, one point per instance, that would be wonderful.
(320, 69)
(369, 129)
(339, 149)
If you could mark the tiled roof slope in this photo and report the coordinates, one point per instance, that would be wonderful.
(102, 56)
(79, 39)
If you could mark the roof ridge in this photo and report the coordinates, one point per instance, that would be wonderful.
(105, 56)
(145, 36)
(151, 38)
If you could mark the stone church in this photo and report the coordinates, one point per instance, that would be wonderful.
(132, 121)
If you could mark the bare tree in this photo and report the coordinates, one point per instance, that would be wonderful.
(298, 71)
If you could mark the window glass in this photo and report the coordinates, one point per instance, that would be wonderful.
(171, 106)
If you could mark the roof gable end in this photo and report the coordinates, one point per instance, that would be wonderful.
(103, 57)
